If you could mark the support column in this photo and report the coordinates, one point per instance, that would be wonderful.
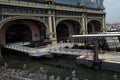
(54, 26)
(95, 51)
(50, 26)
(103, 24)
(83, 23)
(54, 39)
(86, 28)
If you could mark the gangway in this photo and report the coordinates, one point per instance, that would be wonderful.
(49, 49)
(36, 52)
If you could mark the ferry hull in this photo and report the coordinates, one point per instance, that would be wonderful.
(105, 65)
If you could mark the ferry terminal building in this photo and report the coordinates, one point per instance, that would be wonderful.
(36, 20)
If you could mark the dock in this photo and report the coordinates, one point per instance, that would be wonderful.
(107, 61)
(49, 49)
(88, 57)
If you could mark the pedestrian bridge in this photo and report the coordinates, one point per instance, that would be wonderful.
(49, 49)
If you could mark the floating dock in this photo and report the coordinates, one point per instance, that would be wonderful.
(107, 61)
(91, 58)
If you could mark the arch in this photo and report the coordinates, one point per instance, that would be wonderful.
(37, 28)
(65, 19)
(99, 20)
(94, 26)
(66, 28)
(62, 32)
(22, 17)
(21, 33)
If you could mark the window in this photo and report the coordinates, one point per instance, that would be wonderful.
(4, 9)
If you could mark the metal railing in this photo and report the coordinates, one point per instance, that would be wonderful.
(71, 51)
(45, 5)
(24, 3)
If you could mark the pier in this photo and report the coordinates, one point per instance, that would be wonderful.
(110, 61)
(31, 51)
(93, 56)
(49, 49)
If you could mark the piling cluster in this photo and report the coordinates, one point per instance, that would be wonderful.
(7, 73)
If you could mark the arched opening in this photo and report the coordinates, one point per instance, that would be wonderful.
(94, 27)
(22, 30)
(66, 28)
(18, 33)
(42, 30)
(62, 32)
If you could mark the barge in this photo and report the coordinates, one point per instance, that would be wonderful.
(107, 61)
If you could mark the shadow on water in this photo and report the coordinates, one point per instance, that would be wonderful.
(62, 66)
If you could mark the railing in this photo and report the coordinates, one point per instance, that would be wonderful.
(24, 3)
(70, 8)
(27, 49)
(43, 5)
(57, 49)
(21, 43)
(94, 10)
(71, 51)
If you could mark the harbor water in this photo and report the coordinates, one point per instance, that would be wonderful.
(58, 66)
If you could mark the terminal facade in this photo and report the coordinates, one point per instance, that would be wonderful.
(56, 20)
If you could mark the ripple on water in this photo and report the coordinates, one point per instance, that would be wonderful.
(62, 66)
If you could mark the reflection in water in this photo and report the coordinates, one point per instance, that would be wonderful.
(62, 66)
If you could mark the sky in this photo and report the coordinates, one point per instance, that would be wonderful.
(112, 9)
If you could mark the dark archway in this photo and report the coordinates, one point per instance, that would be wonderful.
(42, 30)
(18, 33)
(94, 27)
(42, 33)
(62, 32)
(66, 28)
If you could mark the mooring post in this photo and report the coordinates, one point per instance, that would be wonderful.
(95, 51)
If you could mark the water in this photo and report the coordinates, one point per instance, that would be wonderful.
(62, 66)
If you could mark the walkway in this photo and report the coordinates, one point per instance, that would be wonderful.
(71, 51)
(49, 49)
(31, 51)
